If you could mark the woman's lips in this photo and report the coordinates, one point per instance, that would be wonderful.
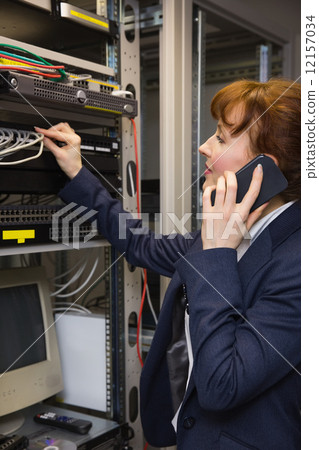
(207, 171)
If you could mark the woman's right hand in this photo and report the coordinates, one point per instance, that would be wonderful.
(226, 223)
(68, 156)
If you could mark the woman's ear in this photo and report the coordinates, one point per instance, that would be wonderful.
(273, 158)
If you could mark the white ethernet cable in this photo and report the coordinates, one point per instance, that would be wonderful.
(65, 306)
(11, 141)
(75, 277)
(72, 269)
(149, 301)
(69, 294)
(83, 261)
(68, 309)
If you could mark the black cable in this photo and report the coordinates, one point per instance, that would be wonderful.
(6, 196)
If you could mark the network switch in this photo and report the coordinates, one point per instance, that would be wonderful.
(40, 91)
(29, 225)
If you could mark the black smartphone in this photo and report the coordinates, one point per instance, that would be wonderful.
(273, 182)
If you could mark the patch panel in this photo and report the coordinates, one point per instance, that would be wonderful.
(100, 154)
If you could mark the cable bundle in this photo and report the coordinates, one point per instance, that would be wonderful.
(38, 66)
(12, 141)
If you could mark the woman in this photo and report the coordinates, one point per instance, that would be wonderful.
(235, 384)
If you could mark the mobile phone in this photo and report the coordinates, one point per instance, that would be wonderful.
(273, 182)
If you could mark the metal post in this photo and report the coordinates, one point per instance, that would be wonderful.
(199, 63)
(130, 77)
(175, 112)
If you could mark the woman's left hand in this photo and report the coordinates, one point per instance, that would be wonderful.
(226, 223)
(68, 156)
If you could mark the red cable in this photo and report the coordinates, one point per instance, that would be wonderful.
(49, 75)
(145, 272)
(137, 170)
(44, 66)
(139, 319)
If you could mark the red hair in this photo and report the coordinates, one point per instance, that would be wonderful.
(271, 114)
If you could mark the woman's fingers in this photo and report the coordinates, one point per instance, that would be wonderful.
(207, 198)
(233, 215)
(253, 191)
(68, 156)
(220, 193)
(60, 132)
(226, 192)
(51, 145)
(231, 191)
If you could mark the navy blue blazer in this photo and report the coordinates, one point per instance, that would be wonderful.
(244, 389)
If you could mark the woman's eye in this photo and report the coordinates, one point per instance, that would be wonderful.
(219, 139)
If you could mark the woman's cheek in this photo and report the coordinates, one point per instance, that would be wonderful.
(220, 166)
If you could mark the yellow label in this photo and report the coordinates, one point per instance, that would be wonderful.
(89, 19)
(102, 109)
(102, 83)
(20, 235)
(114, 86)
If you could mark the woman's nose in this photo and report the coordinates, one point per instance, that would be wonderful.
(204, 150)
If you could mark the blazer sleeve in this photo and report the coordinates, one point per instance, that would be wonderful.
(141, 246)
(238, 353)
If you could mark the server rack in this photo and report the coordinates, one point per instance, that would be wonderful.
(104, 122)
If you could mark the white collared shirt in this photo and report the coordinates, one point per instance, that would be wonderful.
(254, 232)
